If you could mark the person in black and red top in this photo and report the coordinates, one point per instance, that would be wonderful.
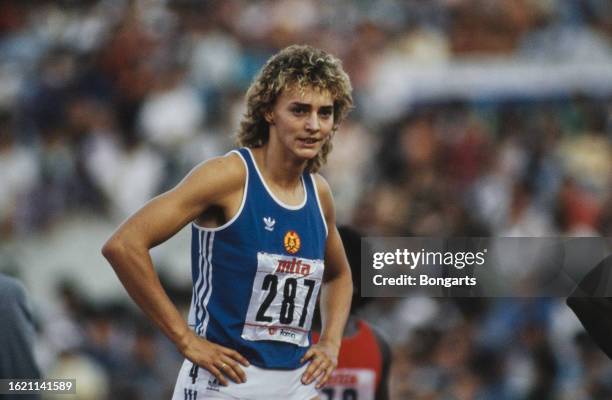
(365, 357)
(592, 305)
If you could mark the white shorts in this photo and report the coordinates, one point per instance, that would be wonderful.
(268, 384)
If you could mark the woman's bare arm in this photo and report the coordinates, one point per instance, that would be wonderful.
(127, 250)
(336, 294)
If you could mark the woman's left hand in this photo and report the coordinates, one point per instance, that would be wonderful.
(323, 358)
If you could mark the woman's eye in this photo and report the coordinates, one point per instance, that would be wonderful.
(299, 111)
(325, 114)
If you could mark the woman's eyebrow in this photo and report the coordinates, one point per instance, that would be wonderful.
(300, 104)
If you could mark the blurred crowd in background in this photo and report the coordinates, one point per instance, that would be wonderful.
(104, 104)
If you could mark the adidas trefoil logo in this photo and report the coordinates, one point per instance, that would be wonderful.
(213, 385)
(269, 223)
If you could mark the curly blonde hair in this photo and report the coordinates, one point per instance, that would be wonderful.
(302, 66)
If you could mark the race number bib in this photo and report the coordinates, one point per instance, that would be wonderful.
(350, 384)
(283, 299)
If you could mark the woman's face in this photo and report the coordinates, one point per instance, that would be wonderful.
(302, 120)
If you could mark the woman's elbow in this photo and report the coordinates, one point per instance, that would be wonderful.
(113, 248)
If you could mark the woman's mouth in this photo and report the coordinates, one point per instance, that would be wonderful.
(308, 142)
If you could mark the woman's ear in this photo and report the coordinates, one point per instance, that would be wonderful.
(269, 118)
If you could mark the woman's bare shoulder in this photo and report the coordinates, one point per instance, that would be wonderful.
(217, 177)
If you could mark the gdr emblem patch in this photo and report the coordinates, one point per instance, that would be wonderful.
(292, 242)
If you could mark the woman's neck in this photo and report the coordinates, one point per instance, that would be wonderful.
(278, 166)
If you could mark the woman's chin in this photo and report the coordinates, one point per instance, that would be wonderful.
(307, 153)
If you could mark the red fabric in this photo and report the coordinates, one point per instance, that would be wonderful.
(360, 350)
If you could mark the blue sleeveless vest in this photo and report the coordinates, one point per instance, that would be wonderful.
(256, 278)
